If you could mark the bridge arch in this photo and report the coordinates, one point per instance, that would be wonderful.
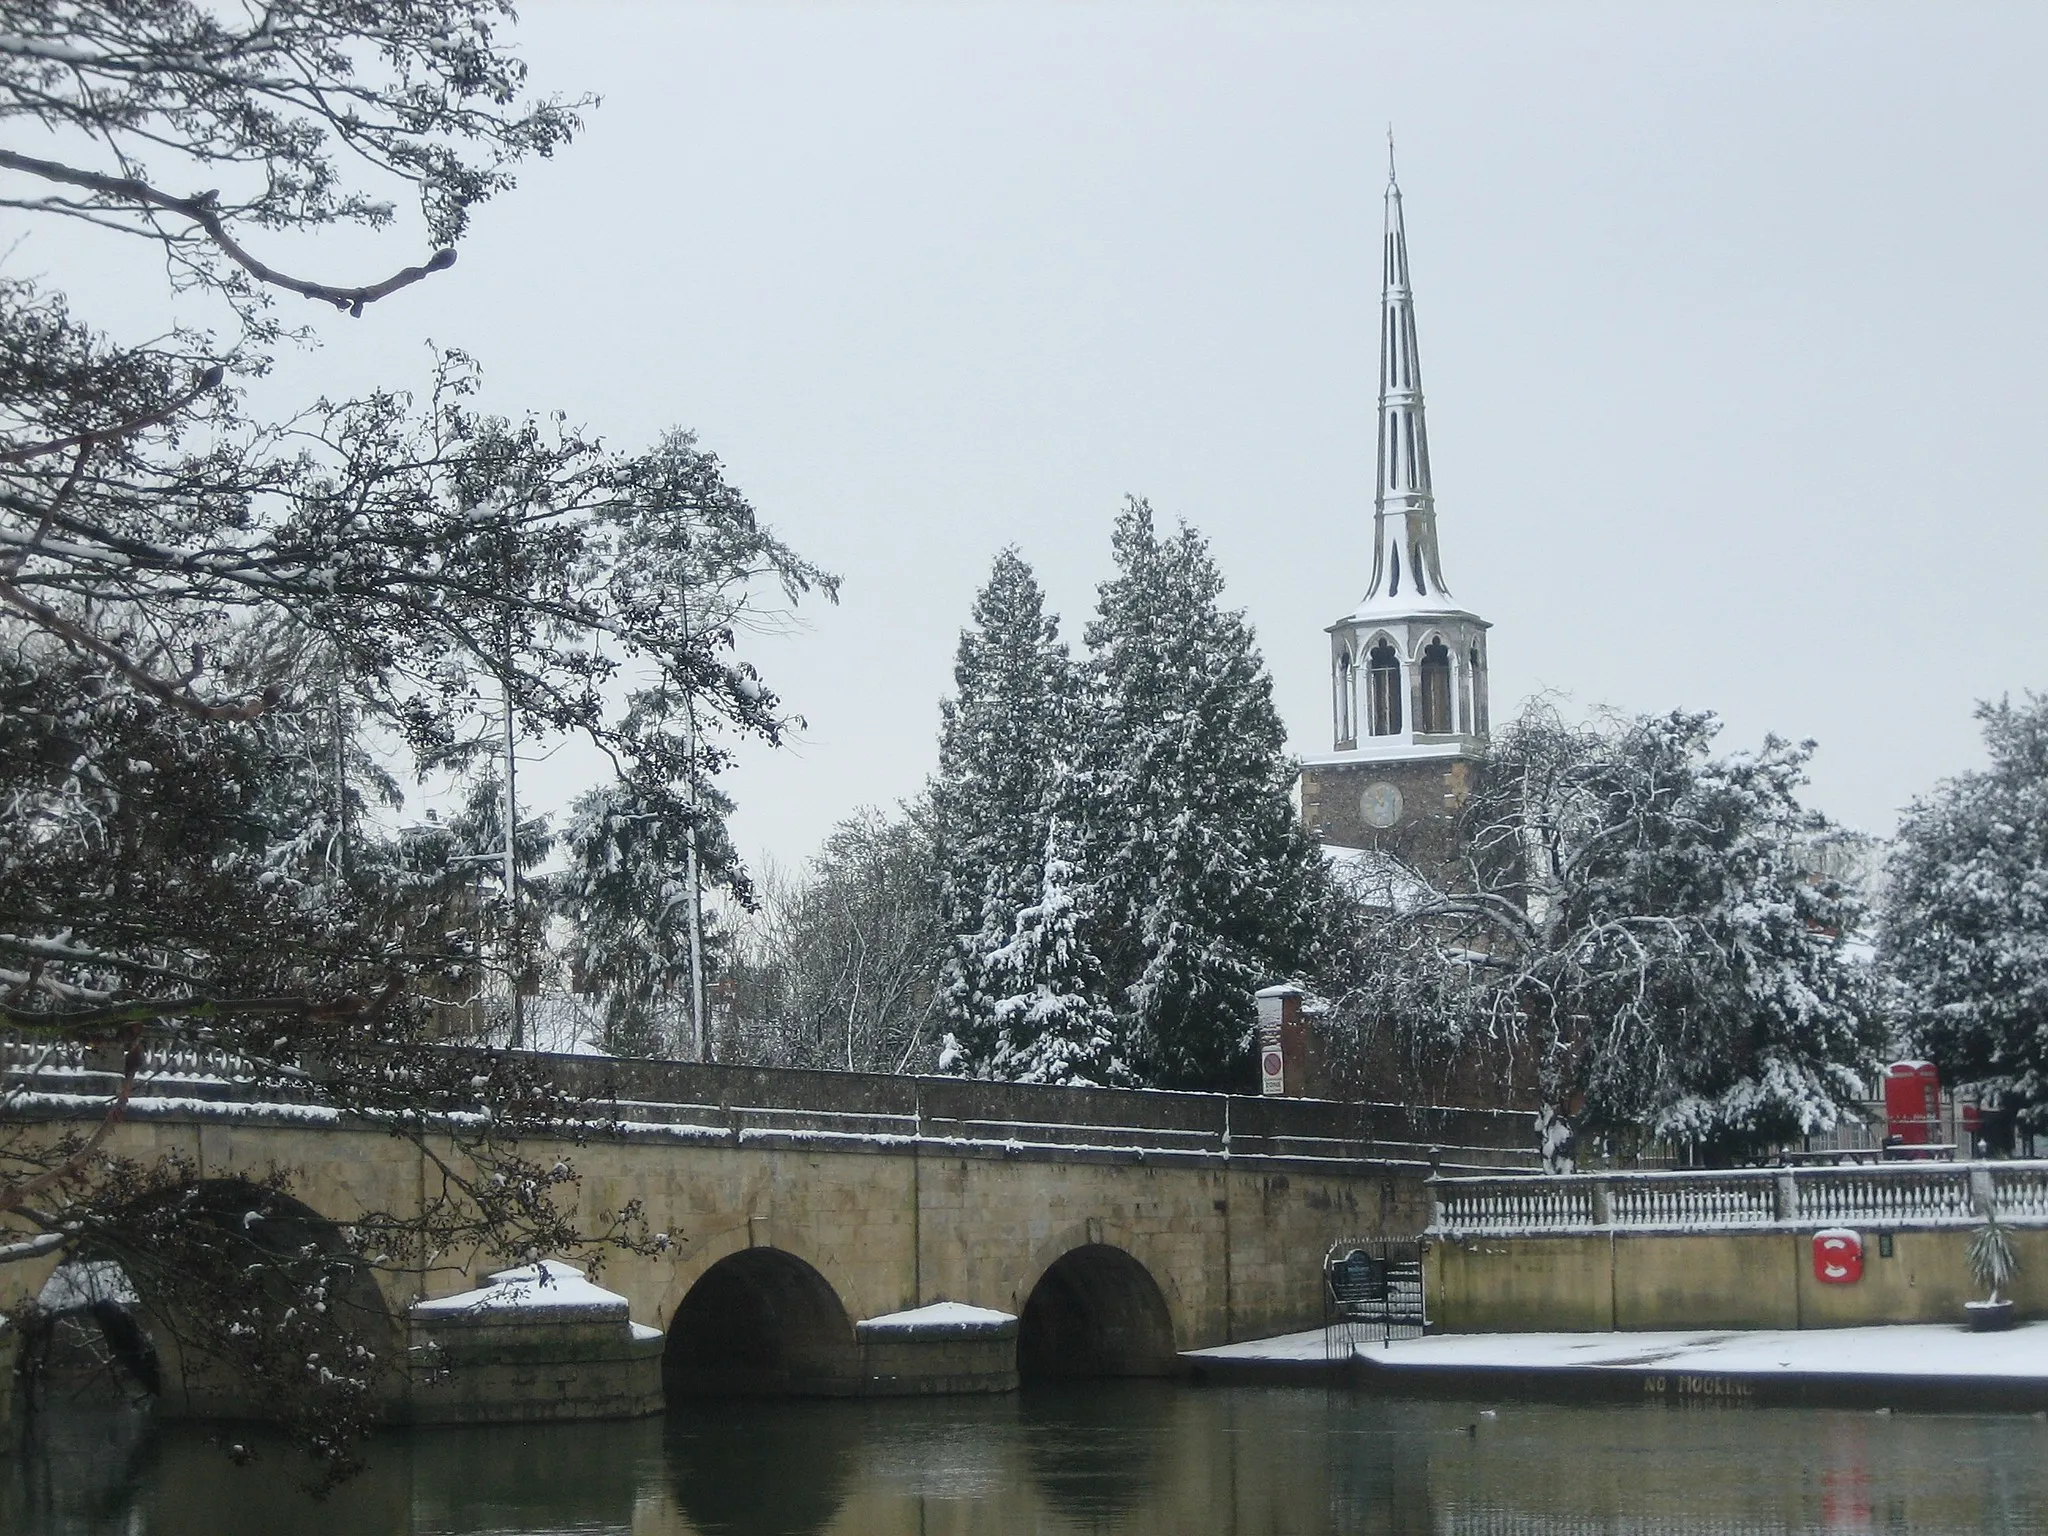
(761, 1323)
(237, 1285)
(1095, 1311)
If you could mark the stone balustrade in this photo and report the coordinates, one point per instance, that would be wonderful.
(1903, 1194)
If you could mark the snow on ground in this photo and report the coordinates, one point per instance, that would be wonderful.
(1898, 1349)
(1287, 1346)
(939, 1317)
(1902, 1349)
(550, 1283)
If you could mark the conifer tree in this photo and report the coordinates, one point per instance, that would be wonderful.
(1004, 747)
(1052, 1021)
(1207, 886)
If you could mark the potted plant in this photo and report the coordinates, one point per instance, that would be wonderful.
(1993, 1265)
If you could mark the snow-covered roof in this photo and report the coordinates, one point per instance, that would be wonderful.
(1376, 878)
(1390, 611)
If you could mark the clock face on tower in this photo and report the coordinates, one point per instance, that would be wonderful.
(1380, 805)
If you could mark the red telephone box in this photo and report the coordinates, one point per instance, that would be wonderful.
(1912, 1103)
(1837, 1256)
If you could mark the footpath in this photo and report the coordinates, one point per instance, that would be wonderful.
(1923, 1366)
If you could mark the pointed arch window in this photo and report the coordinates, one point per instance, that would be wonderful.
(1347, 728)
(1383, 669)
(1433, 708)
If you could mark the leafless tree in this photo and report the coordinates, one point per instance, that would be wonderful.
(839, 965)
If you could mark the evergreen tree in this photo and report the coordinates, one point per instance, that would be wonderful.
(1964, 932)
(626, 895)
(1051, 1021)
(1207, 886)
(1004, 746)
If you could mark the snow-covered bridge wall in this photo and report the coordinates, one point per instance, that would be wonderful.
(876, 1195)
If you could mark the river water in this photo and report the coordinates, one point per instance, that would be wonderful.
(1087, 1458)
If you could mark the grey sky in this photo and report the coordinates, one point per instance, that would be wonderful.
(1732, 321)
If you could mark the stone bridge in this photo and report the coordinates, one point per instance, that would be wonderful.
(1117, 1228)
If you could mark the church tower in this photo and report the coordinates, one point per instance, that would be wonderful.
(1408, 666)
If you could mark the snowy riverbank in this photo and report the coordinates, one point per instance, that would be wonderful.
(1907, 1366)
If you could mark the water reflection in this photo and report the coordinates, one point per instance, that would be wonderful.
(1097, 1450)
(1134, 1459)
(756, 1467)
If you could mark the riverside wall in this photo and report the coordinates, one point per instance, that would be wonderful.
(1645, 1281)
(1726, 1250)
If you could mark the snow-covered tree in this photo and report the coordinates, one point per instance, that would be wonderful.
(200, 606)
(626, 898)
(1648, 929)
(1963, 935)
(1205, 885)
(1052, 1023)
(1005, 748)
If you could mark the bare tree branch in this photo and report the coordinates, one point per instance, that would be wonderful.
(201, 209)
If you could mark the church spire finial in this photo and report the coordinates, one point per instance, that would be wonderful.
(1405, 561)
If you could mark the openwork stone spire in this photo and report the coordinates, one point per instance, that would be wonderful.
(1405, 564)
(1408, 665)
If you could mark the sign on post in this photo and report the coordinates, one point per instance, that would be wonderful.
(1278, 1007)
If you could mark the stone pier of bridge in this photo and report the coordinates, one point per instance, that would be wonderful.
(1068, 1231)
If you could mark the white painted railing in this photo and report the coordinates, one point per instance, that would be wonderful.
(1895, 1194)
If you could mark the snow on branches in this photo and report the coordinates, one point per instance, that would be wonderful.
(1964, 933)
(1121, 864)
(1640, 933)
(208, 618)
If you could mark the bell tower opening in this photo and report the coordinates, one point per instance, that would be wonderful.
(1433, 713)
(1384, 668)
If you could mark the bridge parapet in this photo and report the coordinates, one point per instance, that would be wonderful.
(791, 1107)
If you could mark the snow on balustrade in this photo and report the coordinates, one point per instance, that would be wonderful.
(1708, 1200)
(2020, 1190)
(1906, 1194)
(1508, 1205)
(1925, 1193)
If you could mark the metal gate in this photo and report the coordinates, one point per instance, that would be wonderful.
(1372, 1293)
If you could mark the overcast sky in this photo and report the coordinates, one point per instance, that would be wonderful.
(1732, 324)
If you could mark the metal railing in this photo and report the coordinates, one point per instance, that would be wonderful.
(1895, 1194)
(1372, 1294)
